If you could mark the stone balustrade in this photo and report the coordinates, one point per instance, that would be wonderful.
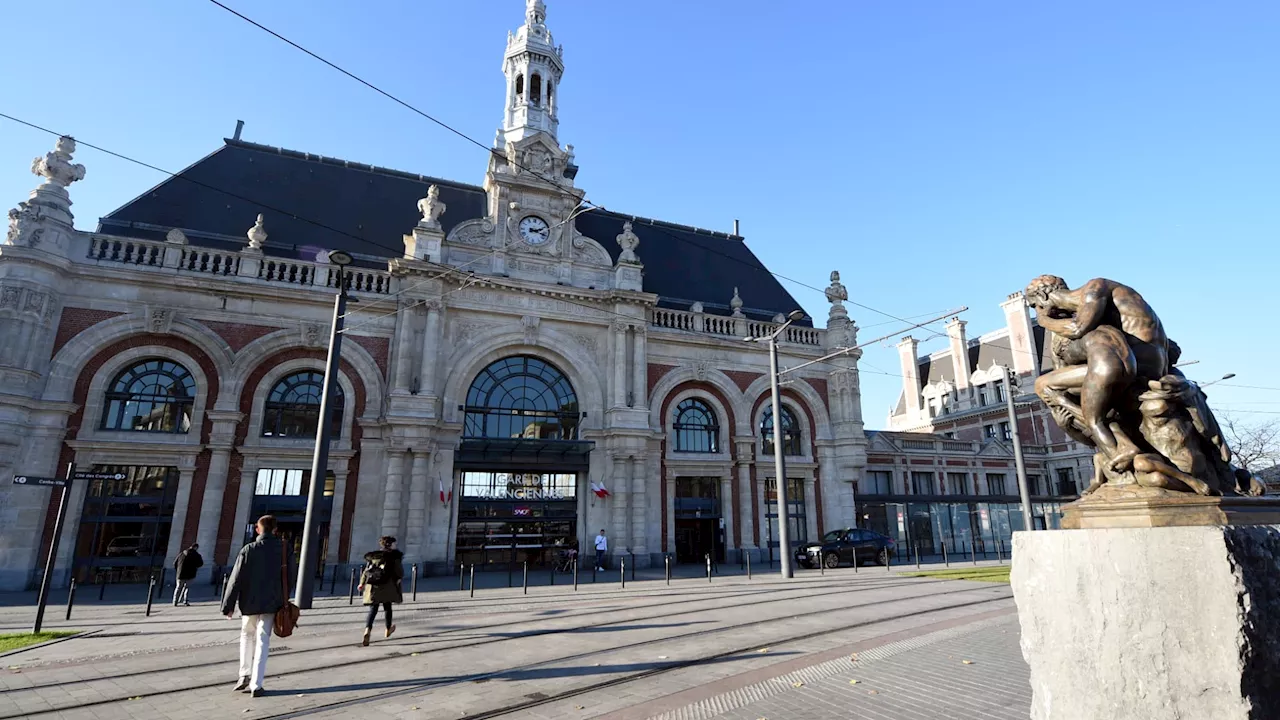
(730, 327)
(244, 265)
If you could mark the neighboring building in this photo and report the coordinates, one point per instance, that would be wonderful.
(944, 472)
(516, 356)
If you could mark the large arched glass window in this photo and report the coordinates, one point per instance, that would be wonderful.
(521, 397)
(696, 428)
(293, 407)
(790, 432)
(152, 396)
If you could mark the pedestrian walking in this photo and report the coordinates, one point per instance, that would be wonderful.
(258, 586)
(602, 546)
(380, 583)
(185, 567)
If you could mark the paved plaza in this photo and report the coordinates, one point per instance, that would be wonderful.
(873, 644)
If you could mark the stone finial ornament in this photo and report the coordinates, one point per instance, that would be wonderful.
(257, 234)
(56, 167)
(628, 241)
(696, 307)
(175, 237)
(736, 303)
(836, 292)
(431, 207)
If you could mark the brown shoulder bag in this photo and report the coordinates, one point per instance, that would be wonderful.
(288, 614)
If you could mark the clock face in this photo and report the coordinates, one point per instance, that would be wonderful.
(534, 230)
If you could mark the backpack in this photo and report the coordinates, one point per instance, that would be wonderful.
(375, 573)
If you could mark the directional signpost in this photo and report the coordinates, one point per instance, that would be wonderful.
(32, 481)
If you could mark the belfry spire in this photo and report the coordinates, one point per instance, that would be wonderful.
(533, 65)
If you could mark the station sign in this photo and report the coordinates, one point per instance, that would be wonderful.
(33, 481)
(90, 475)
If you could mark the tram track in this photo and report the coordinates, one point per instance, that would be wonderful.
(382, 695)
(432, 636)
(398, 656)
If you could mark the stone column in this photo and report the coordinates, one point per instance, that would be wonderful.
(810, 508)
(671, 513)
(430, 347)
(639, 509)
(619, 364)
(640, 370)
(211, 507)
(181, 500)
(248, 482)
(415, 530)
(726, 513)
(391, 500)
(340, 473)
(620, 536)
(745, 516)
(404, 349)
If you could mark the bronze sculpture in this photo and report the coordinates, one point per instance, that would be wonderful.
(1114, 387)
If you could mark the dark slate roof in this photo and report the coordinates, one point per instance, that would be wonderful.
(313, 203)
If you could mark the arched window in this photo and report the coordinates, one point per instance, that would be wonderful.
(696, 428)
(293, 408)
(521, 397)
(790, 432)
(550, 103)
(535, 89)
(519, 87)
(152, 396)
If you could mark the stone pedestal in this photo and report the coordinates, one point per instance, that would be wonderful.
(1130, 506)
(1137, 623)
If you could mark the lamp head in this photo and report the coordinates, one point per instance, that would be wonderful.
(795, 315)
(1228, 376)
(341, 258)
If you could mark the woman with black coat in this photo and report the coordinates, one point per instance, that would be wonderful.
(380, 583)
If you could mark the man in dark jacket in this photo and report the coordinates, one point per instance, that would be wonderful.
(257, 587)
(186, 565)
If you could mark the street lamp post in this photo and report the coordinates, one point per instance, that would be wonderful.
(1028, 520)
(320, 460)
(779, 466)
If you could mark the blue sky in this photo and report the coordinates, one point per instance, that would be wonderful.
(937, 154)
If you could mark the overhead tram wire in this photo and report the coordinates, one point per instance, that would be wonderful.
(443, 269)
(648, 223)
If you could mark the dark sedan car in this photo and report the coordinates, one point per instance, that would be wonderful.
(850, 545)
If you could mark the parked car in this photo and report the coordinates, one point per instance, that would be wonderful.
(849, 545)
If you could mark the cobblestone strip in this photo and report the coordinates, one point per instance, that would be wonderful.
(742, 697)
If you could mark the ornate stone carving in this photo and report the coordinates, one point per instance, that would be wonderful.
(696, 307)
(589, 251)
(473, 232)
(35, 302)
(56, 167)
(779, 318)
(586, 341)
(628, 241)
(700, 370)
(530, 324)
(431, 207)
(736, 303)
(23, 225)
(836, 292)
(465, 333)
(257, 234)
(176, 237)
(1115, 387)
(312, 334)
(159, 320)
(10, 297)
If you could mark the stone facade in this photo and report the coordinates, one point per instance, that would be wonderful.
(240, 318)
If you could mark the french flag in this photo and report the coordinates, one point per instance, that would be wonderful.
(599, 489)
(444, 499)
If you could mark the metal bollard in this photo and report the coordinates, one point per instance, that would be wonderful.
(415, 582)
(351, 590)
(102, 589)
(973, 554)
(822, 563)
(151, 591)
(855, 561)
(473, 579)
(526, 577)
(622, 571)
(945, 561)
(511, 569)
(748, 564)
(633, 566)
(917, 549)
(160, 587)
(1000, 552)
(462, 574)
(666, 560)
(575, 574)
(553, 573)
(71, 597)
(888, 559)
(708, 567)
(594, 568)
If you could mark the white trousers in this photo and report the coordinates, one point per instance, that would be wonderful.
(180, 591)
(255, 638)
